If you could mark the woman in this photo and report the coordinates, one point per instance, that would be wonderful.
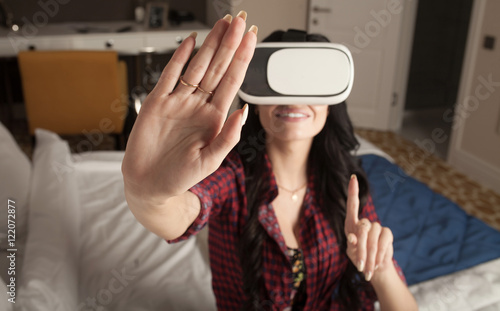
(285, 230)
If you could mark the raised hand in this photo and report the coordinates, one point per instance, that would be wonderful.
(181, 134)
(369, 244)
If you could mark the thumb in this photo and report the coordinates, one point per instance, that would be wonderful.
(228, 136)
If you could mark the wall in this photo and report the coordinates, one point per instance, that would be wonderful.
(94, 10)
(268, 15)
(476, 141)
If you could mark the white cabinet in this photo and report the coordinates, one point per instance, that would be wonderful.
(11, 45)
(6, 48)
(66, 37)
(126, 43)
(169, 41)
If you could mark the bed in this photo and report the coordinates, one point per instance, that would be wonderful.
(78, 247)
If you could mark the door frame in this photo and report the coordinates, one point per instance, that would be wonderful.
(458, 157)
(402, 73)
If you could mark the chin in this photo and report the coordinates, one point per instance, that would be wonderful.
(293, 136)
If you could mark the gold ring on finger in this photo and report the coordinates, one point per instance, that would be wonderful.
(211, 93)
(187, 84)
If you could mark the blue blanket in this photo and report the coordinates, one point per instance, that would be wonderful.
(432, 235)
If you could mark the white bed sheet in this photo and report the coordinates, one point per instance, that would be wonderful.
(477, 288)
(153, 261)
(122, 266)
(125, 267)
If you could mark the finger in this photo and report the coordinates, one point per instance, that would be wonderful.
(372, 249)
(388, 257)
(231, 82)
(352, 207)
(225, 53)
(363, 227)
(352, 253)
(352, 250)
(384, 246)
(226, 139)
(389, 254)
(200, 62)
(173, 69)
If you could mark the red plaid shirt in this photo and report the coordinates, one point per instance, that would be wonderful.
(223, 206)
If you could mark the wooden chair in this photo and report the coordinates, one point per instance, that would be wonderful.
(75, 92)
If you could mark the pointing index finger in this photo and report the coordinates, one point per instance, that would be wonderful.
(352, 207)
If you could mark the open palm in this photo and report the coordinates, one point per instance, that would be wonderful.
(181, 134)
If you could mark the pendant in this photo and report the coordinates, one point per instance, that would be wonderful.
(294, 197)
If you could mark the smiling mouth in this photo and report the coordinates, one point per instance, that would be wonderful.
(292, 115)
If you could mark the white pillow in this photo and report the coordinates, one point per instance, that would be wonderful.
(15, 174)
(50, 272)
(366, 147)
(5, 305)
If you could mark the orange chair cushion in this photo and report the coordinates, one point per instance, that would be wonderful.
(74, 92)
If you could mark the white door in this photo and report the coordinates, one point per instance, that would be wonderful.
(475, 139)
(372, 31)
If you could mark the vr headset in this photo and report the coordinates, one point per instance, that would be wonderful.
(298, 73)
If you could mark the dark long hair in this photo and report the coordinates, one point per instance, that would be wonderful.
(332, 165)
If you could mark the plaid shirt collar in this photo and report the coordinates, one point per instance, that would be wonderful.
(267, 216)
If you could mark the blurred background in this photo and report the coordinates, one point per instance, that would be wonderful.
(412, 78)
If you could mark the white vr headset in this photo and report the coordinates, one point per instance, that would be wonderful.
(298, 73)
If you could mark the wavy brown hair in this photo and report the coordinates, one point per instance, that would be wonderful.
(332, 164)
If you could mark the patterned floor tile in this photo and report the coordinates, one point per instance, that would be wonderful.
(474, 198)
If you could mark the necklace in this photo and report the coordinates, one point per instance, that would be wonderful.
(295, 197)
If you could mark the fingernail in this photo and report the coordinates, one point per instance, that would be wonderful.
(368, 276)
(245, 115)
(193, 35)
(361, 265)
(243, 15)
(253, 29)
(376, 267)
(228, 18)
(353, 176)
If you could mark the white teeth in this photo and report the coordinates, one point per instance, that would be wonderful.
(292, 115)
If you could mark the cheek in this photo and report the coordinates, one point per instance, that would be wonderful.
(321, 116)
(265, 116)
(265, 121)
